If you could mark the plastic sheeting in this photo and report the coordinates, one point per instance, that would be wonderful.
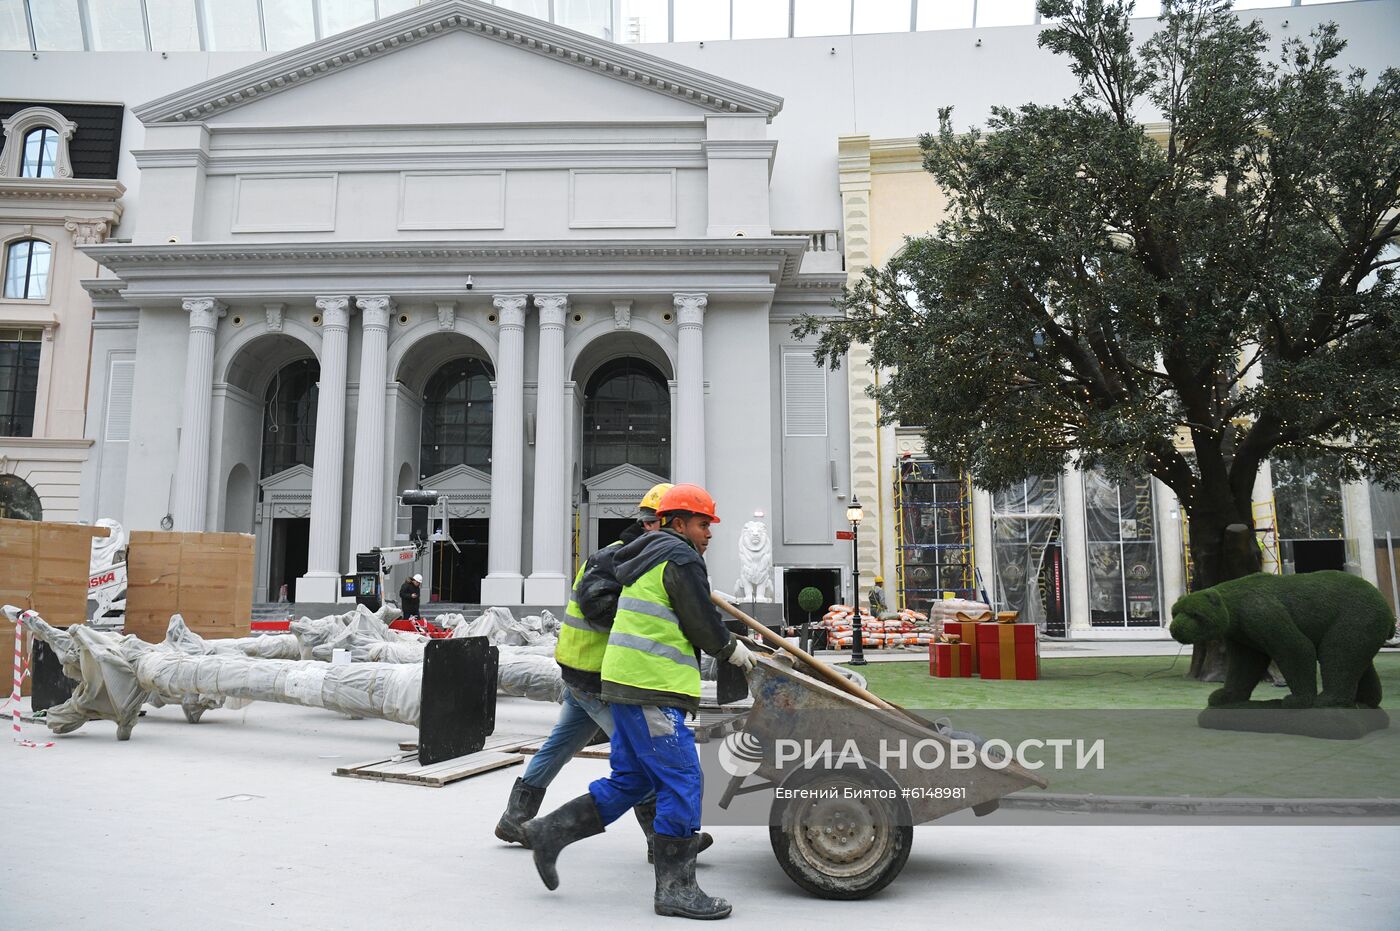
(181, 639)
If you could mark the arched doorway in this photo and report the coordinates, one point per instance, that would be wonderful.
(285, 467)
(18, 500)
(454, 457)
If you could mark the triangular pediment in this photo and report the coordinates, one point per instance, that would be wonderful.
(297, 478)
(458, 479)
(624, 482)
(426, 24)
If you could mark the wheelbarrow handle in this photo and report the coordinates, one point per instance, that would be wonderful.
(824, 670)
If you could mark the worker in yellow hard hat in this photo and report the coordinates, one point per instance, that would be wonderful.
(878, 604)
(651, 680)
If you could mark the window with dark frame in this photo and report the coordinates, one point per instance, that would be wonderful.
(457, 412)
(289, 417)
(627, 419)
(40, 153)
(27, 270)
(19, 380)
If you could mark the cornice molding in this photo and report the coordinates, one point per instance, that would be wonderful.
(83, 191)
(690, 157)
(418, 24)
(125, 259)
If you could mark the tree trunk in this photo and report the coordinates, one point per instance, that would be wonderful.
(1219, 552)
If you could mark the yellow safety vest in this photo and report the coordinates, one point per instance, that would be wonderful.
(647, 649)
(581, 645)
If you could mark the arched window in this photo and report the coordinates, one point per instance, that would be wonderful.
(27, 270)
(457, 408)
(289, 417)
(40, 153)
(627, 419)
(18, 501)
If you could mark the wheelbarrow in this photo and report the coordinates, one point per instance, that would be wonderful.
(844, 831)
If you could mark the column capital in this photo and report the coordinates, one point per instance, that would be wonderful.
(552, 308)
(512, 310)
(335, 311)
(204, 311)
(690, 309)
(375, 310)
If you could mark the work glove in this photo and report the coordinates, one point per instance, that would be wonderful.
(742, 656)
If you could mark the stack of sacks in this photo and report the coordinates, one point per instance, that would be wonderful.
(908, 628)
(949, 608)
(839, 622)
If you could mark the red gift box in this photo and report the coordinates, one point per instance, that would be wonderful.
(967, 630)
(950, 660)
(1007, 651)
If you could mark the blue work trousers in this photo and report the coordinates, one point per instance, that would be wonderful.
(652, 752)
(582, 713)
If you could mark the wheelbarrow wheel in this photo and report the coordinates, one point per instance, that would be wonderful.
(837, 839)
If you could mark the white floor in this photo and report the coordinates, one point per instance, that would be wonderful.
(151, 834)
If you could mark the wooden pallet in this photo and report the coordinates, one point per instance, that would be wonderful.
(500, 750)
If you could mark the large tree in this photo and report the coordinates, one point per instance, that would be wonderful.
(1185, 269)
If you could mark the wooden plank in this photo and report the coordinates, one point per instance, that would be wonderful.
(406, 771)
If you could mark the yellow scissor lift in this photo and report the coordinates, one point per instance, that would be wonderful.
(933, 535)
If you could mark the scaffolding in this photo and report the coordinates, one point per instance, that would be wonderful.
(933, 527)
(1265, 514)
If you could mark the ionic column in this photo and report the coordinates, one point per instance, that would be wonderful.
(192, 464)
(322, 579)
(502, 585)
(690, 389)
(367, 499)
(547, 584)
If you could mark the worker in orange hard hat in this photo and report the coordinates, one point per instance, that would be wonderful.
(651, 680)
(583, 638)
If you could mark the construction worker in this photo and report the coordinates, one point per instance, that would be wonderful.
(877, 597)
(651, 680)
(409, 594)
(583, 637)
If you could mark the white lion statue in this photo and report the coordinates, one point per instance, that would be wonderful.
(755, 563)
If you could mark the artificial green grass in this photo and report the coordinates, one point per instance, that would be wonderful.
(1152, 752)
(1107, 682)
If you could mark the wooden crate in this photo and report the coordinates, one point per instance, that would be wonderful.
(44, 567)
(205, 577)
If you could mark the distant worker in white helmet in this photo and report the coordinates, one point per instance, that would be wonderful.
(410, 595)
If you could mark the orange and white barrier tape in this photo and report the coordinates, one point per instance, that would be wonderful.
(19, 677)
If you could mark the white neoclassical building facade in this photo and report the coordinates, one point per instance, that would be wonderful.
(464, 250)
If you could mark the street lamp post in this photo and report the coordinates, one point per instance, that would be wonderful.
(854, 513)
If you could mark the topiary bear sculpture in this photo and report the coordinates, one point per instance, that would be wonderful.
(1329, 619)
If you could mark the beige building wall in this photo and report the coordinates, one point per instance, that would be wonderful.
(65, 213)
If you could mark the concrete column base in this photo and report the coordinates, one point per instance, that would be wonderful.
(501, 590)
(322, 588)
(545, 589)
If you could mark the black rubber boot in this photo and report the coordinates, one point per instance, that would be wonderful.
(676, 892)
(574, 820)
(646, 816)
(524, 804)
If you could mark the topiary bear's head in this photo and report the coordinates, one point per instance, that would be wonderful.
(1199, 616)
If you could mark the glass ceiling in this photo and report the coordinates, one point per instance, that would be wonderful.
(279, 25)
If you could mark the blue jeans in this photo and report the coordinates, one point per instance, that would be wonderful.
(582, 713)
(656, 756)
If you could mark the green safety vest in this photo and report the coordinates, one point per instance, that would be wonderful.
(646, 649)
(581, 645)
